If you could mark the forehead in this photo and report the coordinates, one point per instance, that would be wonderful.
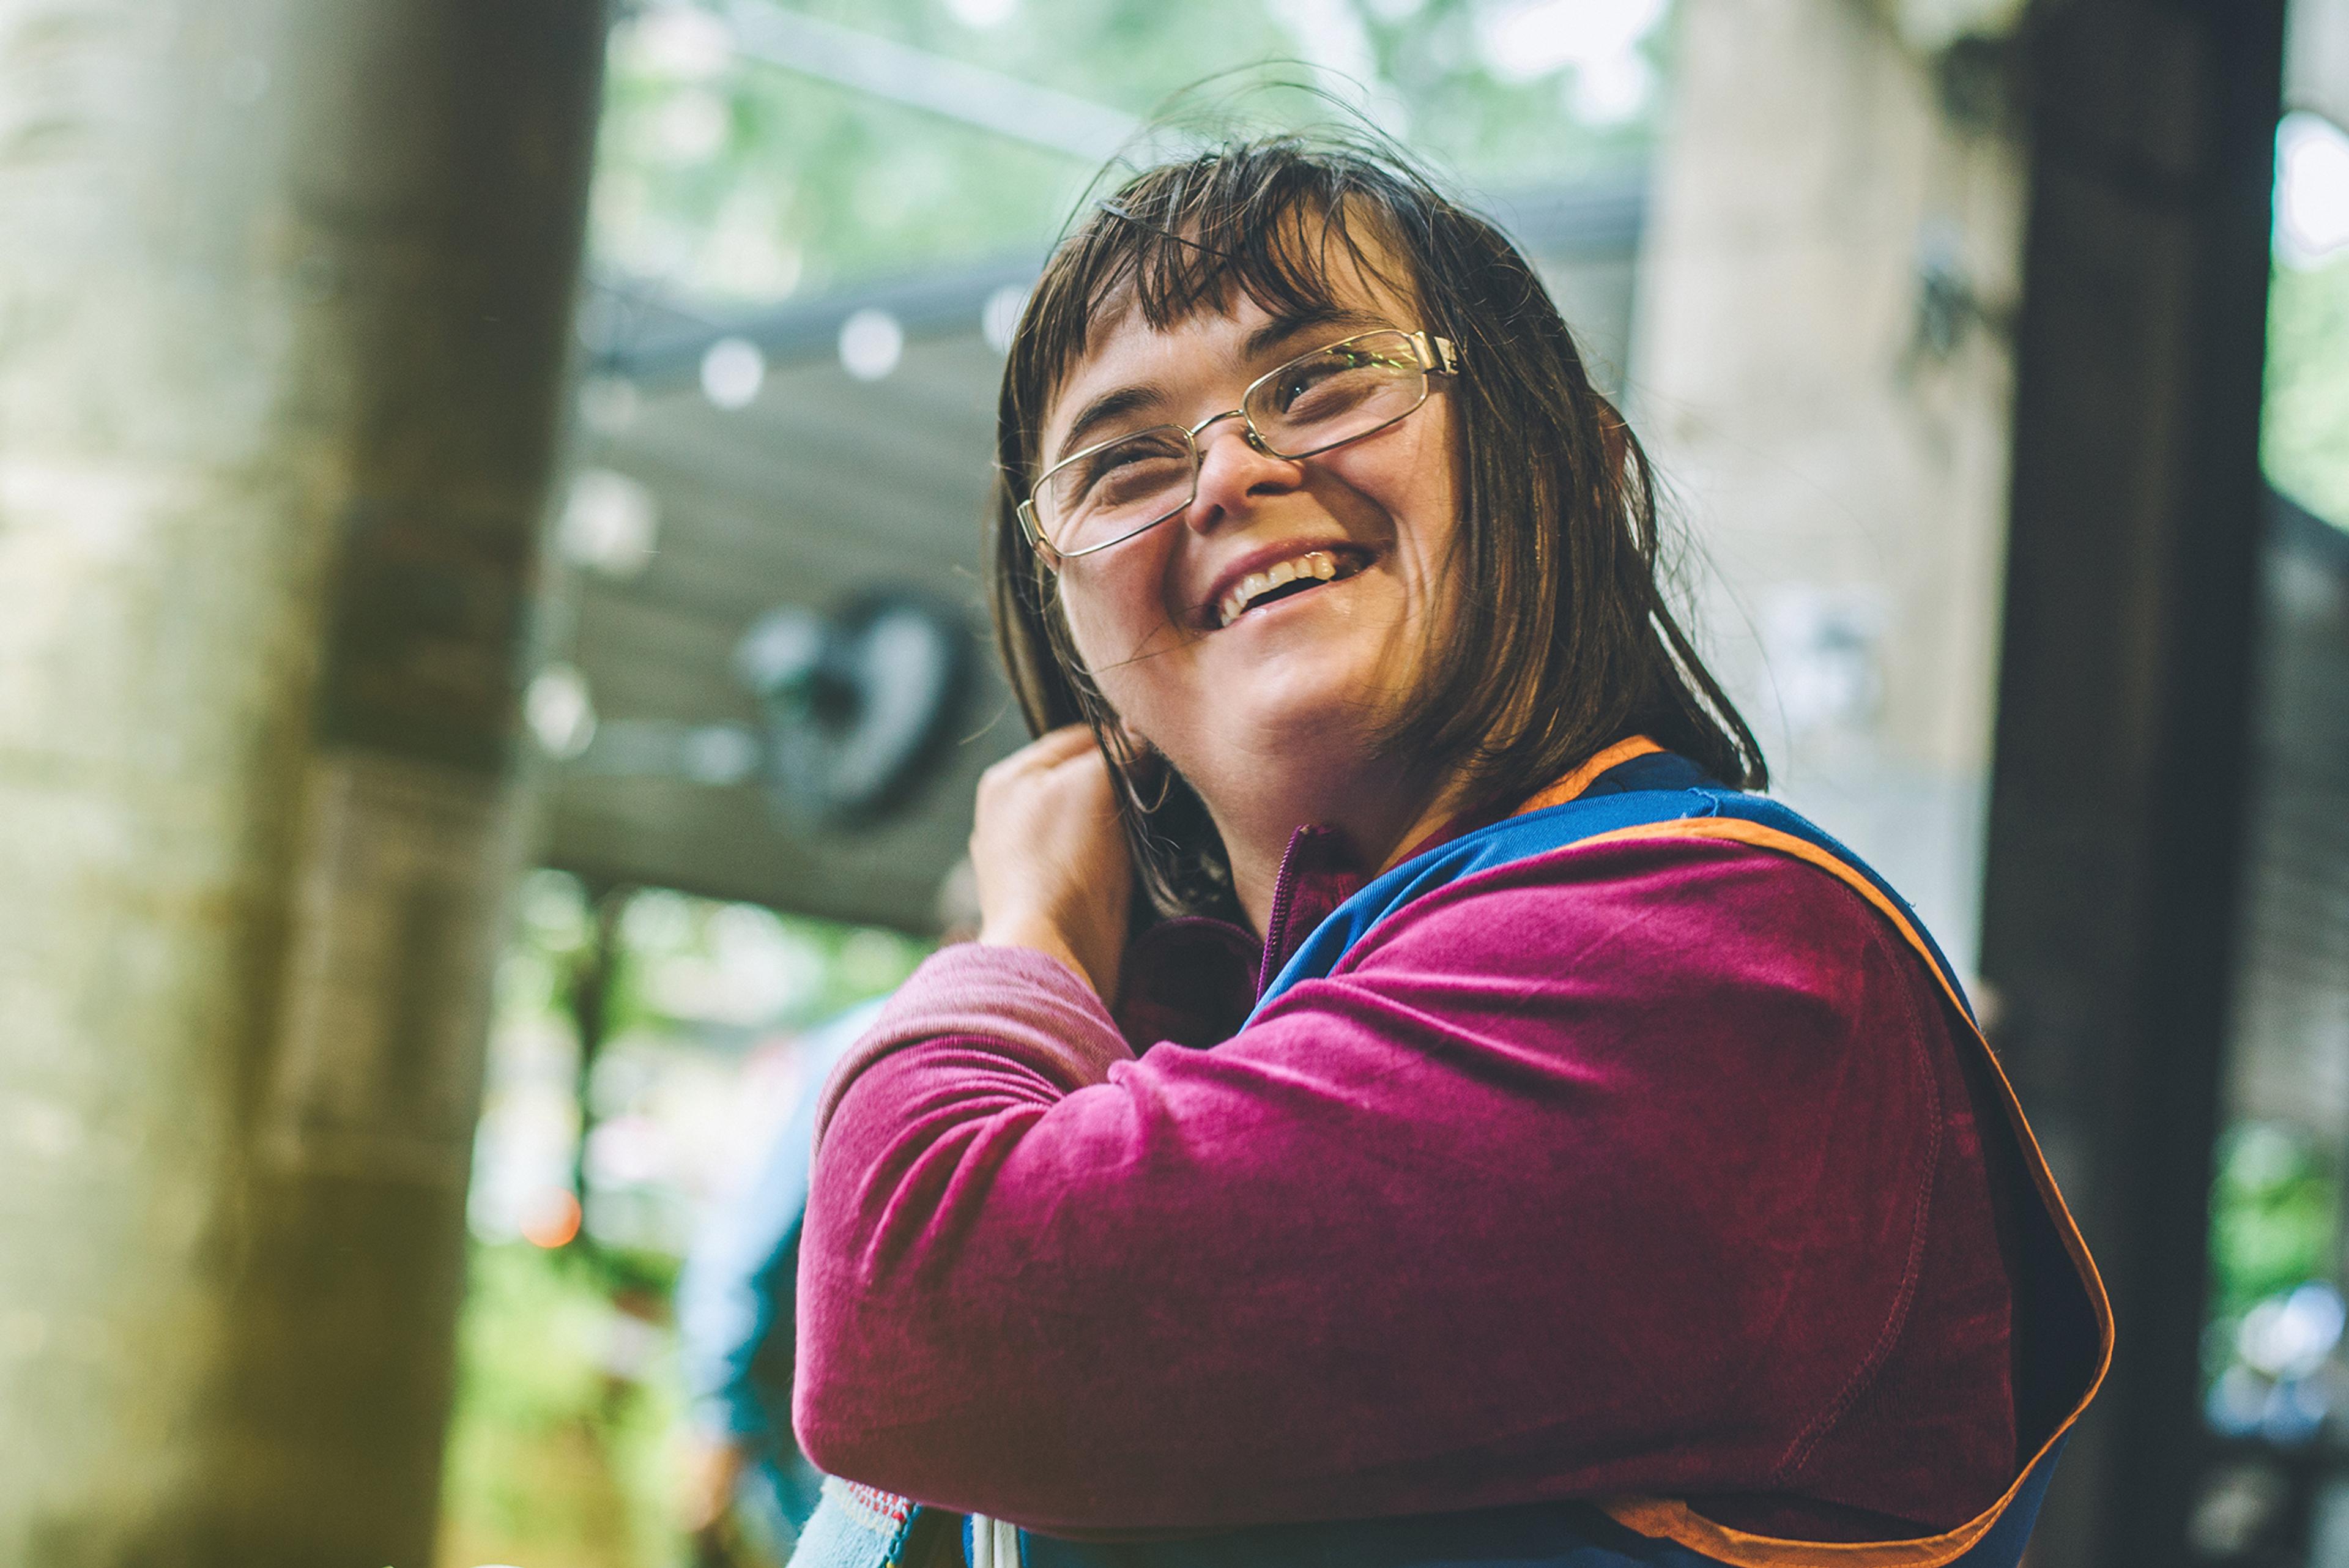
(1125, 349)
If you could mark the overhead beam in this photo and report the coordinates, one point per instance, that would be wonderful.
(971, 95)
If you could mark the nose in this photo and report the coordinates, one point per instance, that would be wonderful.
(1235, 472)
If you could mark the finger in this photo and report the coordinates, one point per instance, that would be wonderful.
(1043, 753)
(1037, 756)
(1056, 755)
(1090, 774)
(1068, 740)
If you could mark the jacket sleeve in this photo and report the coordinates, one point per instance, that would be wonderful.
(1570, 1181)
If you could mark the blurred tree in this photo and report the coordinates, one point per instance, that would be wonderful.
(283, 310)
(2275, 1212)
(731, 178)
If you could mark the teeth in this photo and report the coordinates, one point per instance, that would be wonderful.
(1318, 563)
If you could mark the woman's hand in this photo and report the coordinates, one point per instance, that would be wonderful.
(1051, 857)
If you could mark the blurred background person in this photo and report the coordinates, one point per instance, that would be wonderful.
(744, 1475)
(735, 1317)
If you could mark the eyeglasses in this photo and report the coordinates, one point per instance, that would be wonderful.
(1356, 387)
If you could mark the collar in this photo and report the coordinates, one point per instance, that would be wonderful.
(1193, 980)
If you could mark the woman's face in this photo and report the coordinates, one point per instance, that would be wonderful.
(1307, 679)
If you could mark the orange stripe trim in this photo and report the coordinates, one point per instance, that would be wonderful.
(1666, 1519)
(1575, 782)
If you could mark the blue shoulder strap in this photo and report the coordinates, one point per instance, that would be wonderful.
(1642, 793)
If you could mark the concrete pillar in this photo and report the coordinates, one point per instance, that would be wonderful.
(283, 305)
(1820, 365)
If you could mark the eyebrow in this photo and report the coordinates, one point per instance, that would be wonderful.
(1124, 400)
(1275, 333)
(1100, 411)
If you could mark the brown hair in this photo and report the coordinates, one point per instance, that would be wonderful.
(1568, 646)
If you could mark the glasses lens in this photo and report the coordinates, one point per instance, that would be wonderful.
(1118, 490)
(1343, 391)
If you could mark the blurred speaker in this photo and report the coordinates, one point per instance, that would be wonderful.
(854, 704)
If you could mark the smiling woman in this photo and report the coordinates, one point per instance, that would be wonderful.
(1217, 271)
(1498, 1136)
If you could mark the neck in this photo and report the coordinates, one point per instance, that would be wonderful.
(1380, 817)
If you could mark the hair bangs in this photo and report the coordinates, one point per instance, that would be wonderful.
(1201, 237)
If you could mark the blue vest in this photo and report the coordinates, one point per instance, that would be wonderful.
(2063, 1325)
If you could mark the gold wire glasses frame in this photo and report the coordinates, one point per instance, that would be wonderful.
(1357, 387)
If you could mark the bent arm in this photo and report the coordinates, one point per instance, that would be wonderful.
(1471, 1221)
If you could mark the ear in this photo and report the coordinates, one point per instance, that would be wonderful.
(1134, 743)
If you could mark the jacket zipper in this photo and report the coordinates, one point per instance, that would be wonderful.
(1276, 925)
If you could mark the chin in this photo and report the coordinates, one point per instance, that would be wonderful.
(1316, 692)
(1332, 718)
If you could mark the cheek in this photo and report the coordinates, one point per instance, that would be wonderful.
(1438, 492)
(1114, 619)
(1413, 483)
(1097, 625)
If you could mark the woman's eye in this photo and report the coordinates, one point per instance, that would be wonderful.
(1330, 386)
(1123, 473)
(1104, 463)
(1299, 382)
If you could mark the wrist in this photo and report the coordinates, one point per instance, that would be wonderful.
(1041, 935)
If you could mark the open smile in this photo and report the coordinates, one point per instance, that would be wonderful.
(1307, 570)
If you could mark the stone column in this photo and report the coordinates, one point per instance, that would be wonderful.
(1821, 367)
(284, 307)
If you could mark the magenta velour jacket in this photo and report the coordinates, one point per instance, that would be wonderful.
(1637, 1168)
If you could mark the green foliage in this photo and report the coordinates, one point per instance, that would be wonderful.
(686, 965)
(552, 930)
(2275, 1215)
(558, 1449)
(2305, 428)
(733, 178)
(688, 962)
